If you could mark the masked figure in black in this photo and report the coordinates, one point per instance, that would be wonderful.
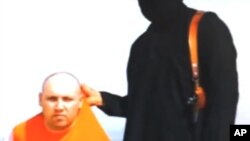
(160, 82)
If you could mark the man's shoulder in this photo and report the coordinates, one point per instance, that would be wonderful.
(20, 128)
(36, 118)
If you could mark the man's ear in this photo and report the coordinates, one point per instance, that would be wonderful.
(40, 99)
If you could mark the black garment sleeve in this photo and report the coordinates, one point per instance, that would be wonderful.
(114, 105)
(218, 76)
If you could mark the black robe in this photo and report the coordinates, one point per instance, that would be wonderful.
(160, 82)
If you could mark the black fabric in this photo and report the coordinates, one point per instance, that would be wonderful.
(160, 80)
(160, 10)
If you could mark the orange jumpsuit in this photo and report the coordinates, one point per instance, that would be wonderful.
(86, 128)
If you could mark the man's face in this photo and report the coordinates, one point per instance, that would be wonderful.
(60, 106)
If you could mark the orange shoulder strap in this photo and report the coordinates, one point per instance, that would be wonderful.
(193, 49)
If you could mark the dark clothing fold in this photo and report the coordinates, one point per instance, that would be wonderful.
(160, 82)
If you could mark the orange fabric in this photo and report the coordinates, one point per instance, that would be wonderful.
(86, 128)
(193, 47)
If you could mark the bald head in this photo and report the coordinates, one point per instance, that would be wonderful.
(61, 82)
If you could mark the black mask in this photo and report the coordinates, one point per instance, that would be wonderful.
(160, 10)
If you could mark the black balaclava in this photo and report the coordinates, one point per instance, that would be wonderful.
(158, 11)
